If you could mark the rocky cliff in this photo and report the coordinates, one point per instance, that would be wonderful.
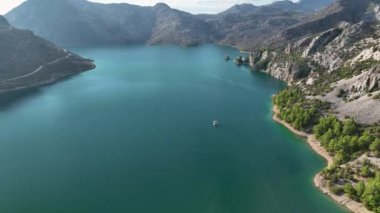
(27, 60)
(334, 55)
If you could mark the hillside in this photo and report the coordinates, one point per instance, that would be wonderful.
(339, 42)
(330, 17)
(247, 28)
(80, 23)
(332, 62)
(27, 60)
(314, 5)
(178, 27)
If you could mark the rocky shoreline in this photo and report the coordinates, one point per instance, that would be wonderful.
(319, 181)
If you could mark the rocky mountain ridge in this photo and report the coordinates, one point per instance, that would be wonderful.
(80, 22)
(337, 62)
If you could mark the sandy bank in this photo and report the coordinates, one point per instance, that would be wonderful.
(318, 179)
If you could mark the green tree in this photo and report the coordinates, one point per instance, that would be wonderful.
(350, 190)
(375, 147)
(349, 127)
(365, 140)
(337, 128)
(365, 171)
(371, 195)
(360, 187)
(340, 157)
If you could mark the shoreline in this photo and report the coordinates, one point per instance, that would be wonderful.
(318, 180)
(52, 80)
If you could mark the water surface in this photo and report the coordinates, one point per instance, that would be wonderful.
(135, 136)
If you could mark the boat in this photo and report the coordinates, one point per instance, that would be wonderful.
(215, 124)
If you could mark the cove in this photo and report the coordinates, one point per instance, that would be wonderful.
(135, 135)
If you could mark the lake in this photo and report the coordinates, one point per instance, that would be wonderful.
(135, 135)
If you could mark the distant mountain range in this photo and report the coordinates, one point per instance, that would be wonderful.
(80, 23)
(27, 60)
(314, 4)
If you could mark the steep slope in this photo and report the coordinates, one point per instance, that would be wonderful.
(177, 27)
(27, 60)
(336, 13)
(314, 5)
(80, 22)
(285, 6)
(332, 61)
(334, 55)
(246, 26)
(239, 9)
(248, 31)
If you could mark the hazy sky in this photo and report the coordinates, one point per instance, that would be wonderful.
(193, 6)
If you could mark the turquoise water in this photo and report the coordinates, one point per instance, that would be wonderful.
(135, 136)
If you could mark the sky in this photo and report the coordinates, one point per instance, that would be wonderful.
(193, 6)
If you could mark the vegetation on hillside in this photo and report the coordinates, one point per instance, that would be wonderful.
(345, 140)
(295, 109)
(322, 85)
(360, 182)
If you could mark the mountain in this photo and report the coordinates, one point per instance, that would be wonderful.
(332, 61)
(314, 4)
(273, 8)
(80, 23)
(334, 55)
(27, 60)
(247, 26)
(178, 27)
(340, 11)
(285, 6)
(240, 9)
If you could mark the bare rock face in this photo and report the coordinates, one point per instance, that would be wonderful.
(279, 66)
(321, 41)
(287, 70)
(369, 82)
(333, 36)
(350, 11)
(341, 41)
